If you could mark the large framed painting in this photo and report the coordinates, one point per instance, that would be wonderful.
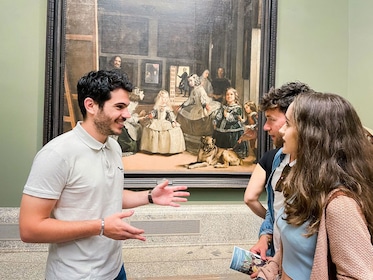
(183, 58)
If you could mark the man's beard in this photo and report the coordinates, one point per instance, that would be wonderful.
(279, 142)
(103, 123)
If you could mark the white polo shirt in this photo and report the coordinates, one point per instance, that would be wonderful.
(86, 177)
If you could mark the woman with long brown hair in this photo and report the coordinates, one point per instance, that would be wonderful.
(326, 224)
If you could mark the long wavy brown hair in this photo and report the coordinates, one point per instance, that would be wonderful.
(332, 151)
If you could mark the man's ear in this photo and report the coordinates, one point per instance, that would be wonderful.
(90, 105)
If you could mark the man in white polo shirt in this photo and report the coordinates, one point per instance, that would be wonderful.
(73, 198)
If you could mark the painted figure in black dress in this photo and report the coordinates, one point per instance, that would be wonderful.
(228, 127)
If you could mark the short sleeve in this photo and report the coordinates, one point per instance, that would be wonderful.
(48, 175)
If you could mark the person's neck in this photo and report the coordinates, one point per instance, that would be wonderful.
(292, 158)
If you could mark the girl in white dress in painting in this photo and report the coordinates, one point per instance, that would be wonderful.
(163, 134)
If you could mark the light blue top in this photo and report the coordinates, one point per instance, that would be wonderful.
(298, 250)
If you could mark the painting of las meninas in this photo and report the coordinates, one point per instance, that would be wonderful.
(188, 74)
(196, 69)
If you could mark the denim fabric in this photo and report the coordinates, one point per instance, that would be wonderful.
(267, 225)
(122, 274)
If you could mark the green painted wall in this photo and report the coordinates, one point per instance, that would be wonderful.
(324, 43)
(22, 33)
(360, 59)
(313, 44)
(328, 44)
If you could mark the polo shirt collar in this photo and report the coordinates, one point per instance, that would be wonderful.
(88, 139)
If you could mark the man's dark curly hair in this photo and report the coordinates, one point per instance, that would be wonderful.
(98, 85)
(282, 97)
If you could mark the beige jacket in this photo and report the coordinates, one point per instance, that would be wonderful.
(349, 240)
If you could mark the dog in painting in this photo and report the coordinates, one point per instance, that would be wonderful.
(210, 154)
